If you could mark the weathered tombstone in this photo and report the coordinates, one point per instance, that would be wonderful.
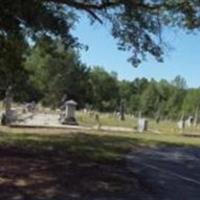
(181, 124)
(9, 116)
(97, 119)
(68, 116)
(117, 115)
(142, 125)
(122, 110)
(30, 107)
(189, 121)
(85, 111)
(157, 117)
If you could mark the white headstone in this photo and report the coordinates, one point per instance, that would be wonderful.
(142, 125)
(70, 109)
(189, 121)
(181, 124)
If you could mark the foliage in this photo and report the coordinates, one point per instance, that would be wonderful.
(56, 72)
(50, 71)
(12, 71)
(104, 89)
(192, 101)
(137, 25)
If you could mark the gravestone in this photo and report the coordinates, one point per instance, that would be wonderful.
(30, 107)
(181, 124)
(68, 115)
(189, 121)
(97, 119)
(122, 110)
(142, 125)
(9, 115)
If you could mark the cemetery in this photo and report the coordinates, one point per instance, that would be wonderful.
(99, 100)
(110, 150)
(96, 142)
(31, 115)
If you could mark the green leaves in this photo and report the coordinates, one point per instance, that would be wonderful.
(56, 72)
(136, 25)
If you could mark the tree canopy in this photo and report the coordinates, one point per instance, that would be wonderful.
(40, 59)
(136, 24)
(49, 71)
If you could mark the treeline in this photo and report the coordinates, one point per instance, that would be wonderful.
(49, 71)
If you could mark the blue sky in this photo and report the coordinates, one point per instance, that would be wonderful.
(183, 59)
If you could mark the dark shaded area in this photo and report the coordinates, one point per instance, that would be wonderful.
(173, 172)
(37, 167)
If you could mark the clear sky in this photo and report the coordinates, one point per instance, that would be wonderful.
(183, 59)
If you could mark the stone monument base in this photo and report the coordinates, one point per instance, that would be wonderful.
(69, 121)
(8, 118)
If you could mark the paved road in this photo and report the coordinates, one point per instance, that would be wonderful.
(173, 173)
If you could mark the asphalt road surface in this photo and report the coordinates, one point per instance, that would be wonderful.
(173, 173)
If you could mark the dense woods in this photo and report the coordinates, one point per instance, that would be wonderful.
(39, 54)
(49, 71)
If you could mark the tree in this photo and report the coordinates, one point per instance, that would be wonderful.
(54, 72)
(136, 24)
(191, 102)
(149, 100)
(179, 82)
(105, 89)
(12, 72)
(175, 101)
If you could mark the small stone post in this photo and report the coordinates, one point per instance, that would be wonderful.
(97, 119)
(142, 125)
(181, 123)
(122, 110)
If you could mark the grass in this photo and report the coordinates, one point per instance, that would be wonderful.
(106, 119)
(47, 164)
(39, 164)
(94, 146)
(65, 166)
(97, 145)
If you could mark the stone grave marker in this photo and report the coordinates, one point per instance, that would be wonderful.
(189, 121)
(122, 110)
(97, 119)
(181, 124)
(9, 115)
(142, 125)
(68, 115)
(30, 107)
